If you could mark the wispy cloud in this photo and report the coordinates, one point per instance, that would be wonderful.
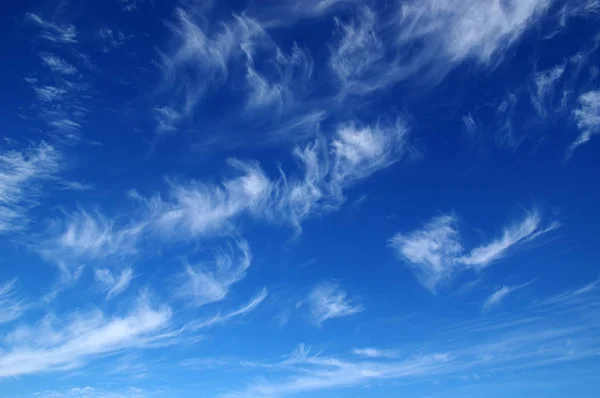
(472, 29)
(112, 39)
(50, 93)
(52, 31)
(86, 237)
(92, 392)
(587, 117)
(21, 174)
(210, 282)
(428, 39)
(431, 250)
(525, 230)
(327, 301)
(130, 5)
(355, 152)
(220, 319)
(113, 286)
(544, 89)
(11, 307)
(500, 294)
(57, 64)
(436, 251)
(499, 343)
(358, 58)
(59, 344)
(375, 353)
(199, 209)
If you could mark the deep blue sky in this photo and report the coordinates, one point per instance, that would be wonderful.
(299, 199)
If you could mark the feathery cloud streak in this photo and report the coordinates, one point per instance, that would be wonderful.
(436, 251)
(327, 301)
(68, 344)
(22, 172)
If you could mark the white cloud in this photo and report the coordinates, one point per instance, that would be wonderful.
(587, 117)
(197, 209)
(207, 283)
(375, 353)
(220, 319)
(21, 174)
(500, 294)
(113, 286)
(473, 29)
(54, 344)
(287, 78)
(130, 5)
(353, 154)
(86, 237)
(287, 12)
(54, 32)
(57, 64)
(470, 125)
(436, 251)
(523, 231)
(358, 57)
(328, 301)
(197, 61)
(432, 250)
(92, 392)
(50, 93)
(545, 82)
(166, 119)
(509, 342)
(11, 307)
(426, 39)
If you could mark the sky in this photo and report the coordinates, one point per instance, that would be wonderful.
(316, 198)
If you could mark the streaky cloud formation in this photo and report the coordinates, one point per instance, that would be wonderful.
(375, 353)
(500, 294)
(220, 319)
(113, 286)
(510, 349)
(587, 117)
(22, 172)
(57, 64)
(54, 32)
(84, 237)
(11, 308)
(327, 301)
(437, 253)
(209, 283)
(60, 344)
(191, 190)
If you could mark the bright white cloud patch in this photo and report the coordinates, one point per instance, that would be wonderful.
(375, 353)
(437, 253)
(457, 30)
(587, 117)
(58, 344)
(328, 301)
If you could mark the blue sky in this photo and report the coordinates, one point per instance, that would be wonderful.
(319, 198)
